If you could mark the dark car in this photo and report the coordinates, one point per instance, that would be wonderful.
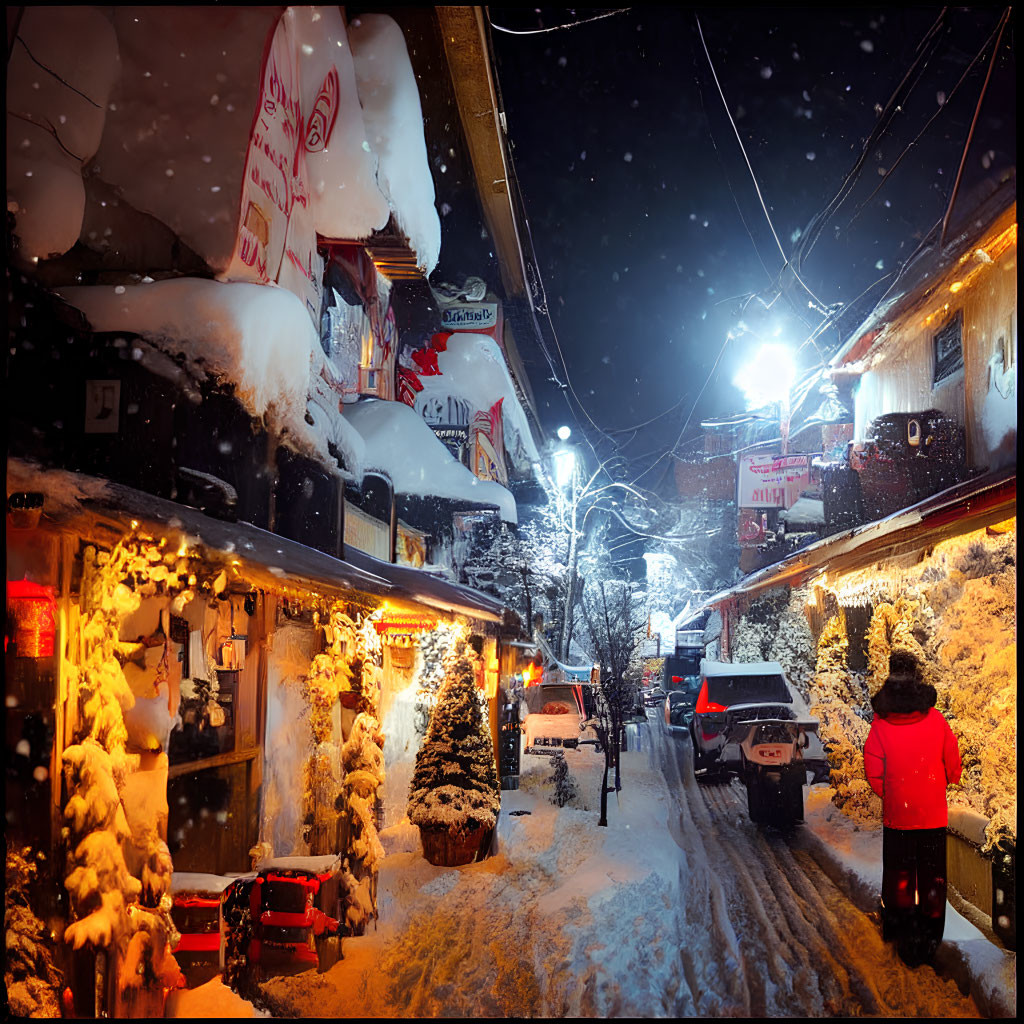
(680, 703)
(730, 693)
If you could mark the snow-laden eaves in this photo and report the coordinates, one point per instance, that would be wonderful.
(473, 368)
(401, 445)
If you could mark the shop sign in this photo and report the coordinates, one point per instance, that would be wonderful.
(772, 481)
(471, 316)
(454, 439)
(403, 622)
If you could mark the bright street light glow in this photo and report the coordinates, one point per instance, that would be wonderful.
(564, 433)
(767, 377)
(565, 464)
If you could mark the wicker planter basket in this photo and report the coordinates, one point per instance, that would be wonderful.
(446, 849)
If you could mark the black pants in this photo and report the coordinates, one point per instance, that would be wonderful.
(914, 890)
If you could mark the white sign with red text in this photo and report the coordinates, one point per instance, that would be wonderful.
(772, 481)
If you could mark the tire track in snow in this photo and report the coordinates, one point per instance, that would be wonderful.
(786, 940)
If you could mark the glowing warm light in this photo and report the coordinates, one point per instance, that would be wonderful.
(767, 377)
(956, 286)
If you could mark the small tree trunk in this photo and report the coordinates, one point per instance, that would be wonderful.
(604, 788)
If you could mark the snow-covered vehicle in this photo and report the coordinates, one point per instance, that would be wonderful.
(749, 719)
(555, 718)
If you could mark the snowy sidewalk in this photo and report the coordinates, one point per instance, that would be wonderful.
(852, 856)
(570, 919)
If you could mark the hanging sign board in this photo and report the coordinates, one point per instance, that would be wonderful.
(469, 316)
(772, 481)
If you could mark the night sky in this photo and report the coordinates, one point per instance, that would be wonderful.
(646, 224)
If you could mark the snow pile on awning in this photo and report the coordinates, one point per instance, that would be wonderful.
(473, 368)
(58, 88)
(394, 129)
(347, 202)
(177, 127)
(257, 337)
(400, 444)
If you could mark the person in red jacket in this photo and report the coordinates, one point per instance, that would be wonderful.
(910, 757)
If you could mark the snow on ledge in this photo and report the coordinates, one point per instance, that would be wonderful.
(259, 337)
(401, 444)
(394, 130)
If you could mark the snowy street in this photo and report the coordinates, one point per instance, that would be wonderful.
(681, 907)
(793, 943)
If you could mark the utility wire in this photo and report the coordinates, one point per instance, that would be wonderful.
(787, 263)
(555, 28)
(974, 122)
(924, 51)
(928, 124)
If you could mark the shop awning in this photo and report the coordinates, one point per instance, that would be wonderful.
(970, 505)
(93, 506)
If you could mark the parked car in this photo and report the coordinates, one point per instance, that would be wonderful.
(555, 719)
(752, 707)
(680, 703)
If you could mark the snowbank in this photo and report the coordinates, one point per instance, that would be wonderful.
(258, 337)
(394, 130)
(178, 125)
(567, 919)
(60, 74)
(392, 431)
(214, 999)
(473, 368)
(347, 202)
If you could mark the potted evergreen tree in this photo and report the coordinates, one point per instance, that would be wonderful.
(454, 796)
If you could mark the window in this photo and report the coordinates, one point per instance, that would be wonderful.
(948, 349)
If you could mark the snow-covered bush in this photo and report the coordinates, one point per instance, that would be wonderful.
(455, 782)
(32, 981)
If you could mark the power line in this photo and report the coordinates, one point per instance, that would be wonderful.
(974, 122)
(941, 109)
(556, 28)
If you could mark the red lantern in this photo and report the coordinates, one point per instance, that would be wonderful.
(32, 611)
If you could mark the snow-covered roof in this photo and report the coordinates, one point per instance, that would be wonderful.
(258, 337)
(400, 444)
(740, 668)
(347, 201)
(393, 119)
(473, 368)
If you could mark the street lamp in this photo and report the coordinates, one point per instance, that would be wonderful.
(766, 380)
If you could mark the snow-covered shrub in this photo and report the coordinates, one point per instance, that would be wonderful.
(362, 758)
(32, 981)
(565, 788)
(455, 782)
(838, 702)
(955, 611)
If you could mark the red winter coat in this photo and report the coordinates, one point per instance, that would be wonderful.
(909, 760)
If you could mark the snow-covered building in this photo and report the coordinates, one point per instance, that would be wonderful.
(225, 246)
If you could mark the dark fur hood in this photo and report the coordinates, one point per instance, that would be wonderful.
(902, 697)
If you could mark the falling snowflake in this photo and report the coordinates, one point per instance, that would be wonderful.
(880, 265)
(867, 46)
(766, 72)
(628, 157)
(811, 155)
